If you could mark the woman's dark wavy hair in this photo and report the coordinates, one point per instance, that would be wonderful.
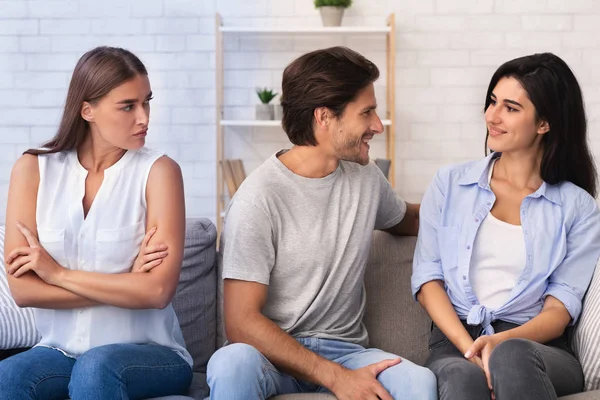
(556, 95)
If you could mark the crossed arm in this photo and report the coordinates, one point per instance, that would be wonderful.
(38, 281)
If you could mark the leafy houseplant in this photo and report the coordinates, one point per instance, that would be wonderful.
(265, 110)
(332, 11)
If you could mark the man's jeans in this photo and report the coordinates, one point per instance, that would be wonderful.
(521, 369)
(117, 371)
(239, 371)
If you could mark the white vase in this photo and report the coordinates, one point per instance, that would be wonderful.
(277, 112)
(264, 111)
(331, 16)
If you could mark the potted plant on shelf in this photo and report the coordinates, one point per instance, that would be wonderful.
(265, 110)
(332, 11)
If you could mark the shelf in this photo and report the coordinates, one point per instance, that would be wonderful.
(316, 29)
(267, 123)
(224, 33)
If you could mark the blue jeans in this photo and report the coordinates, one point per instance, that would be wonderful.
(116, 371)
(239, 371)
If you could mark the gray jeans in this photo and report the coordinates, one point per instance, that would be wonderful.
(520, 368)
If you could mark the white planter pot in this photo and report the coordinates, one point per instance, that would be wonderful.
(331, 16)
(264, 111)
(277, 112)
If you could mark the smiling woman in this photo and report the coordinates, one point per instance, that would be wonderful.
(508, 244)
(94, 242)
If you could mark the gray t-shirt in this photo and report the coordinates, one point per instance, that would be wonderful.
(309, 240)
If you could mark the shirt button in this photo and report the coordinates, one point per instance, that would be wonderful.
(488, 203)
(468, 247)
(81, 262)
(473, 302)
(80, 311)
(464, 277)
(476, 219)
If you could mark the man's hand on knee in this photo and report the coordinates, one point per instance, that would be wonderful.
(362, 383)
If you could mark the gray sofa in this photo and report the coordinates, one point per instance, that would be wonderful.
(394, 321)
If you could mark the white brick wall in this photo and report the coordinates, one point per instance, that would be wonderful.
(447, 51)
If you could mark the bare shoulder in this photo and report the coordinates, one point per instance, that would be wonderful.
(26, 169)
(165, 168)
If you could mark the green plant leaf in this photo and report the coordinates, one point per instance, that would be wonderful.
(333, 3)
(265, 95)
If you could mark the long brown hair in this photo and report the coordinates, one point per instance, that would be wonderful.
(97, 72)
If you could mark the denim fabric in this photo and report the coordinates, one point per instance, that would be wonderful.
(239, 371)
(117, 371)
(521, 369)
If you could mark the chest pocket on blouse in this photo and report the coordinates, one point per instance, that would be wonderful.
(53, 241)
(117, 249)
(448, 244)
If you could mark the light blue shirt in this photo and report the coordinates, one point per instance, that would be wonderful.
(561, 226)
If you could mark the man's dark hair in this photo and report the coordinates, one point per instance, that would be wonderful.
(329, 78)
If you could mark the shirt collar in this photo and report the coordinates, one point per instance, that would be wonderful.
(477, 173)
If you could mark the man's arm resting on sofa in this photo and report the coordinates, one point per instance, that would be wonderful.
(245, 323)
(409, 226)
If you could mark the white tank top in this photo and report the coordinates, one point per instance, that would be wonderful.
(107, 241)
(497, 261)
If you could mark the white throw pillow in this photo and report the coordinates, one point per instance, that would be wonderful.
(586, 338)
(17, 325)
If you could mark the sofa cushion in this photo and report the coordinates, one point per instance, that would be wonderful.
(17, 325)
(586, 337)
(395, 322)
(195, 299)
(595, 395)
(221, 338)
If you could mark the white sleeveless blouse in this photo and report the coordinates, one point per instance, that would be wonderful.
(106, 241)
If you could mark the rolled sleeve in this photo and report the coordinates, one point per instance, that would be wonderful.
(567, 296)
(570, 280)
(426, 272)
(426, 262)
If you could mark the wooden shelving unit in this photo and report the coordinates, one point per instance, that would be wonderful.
(258, 123)
(389, 30)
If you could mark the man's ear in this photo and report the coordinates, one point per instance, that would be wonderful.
(322, 116)
(543, 128)
(87, 112)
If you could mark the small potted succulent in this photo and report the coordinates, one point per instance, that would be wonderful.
(265, 110)
(332, 11)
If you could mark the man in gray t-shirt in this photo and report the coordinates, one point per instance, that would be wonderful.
(295, 246)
